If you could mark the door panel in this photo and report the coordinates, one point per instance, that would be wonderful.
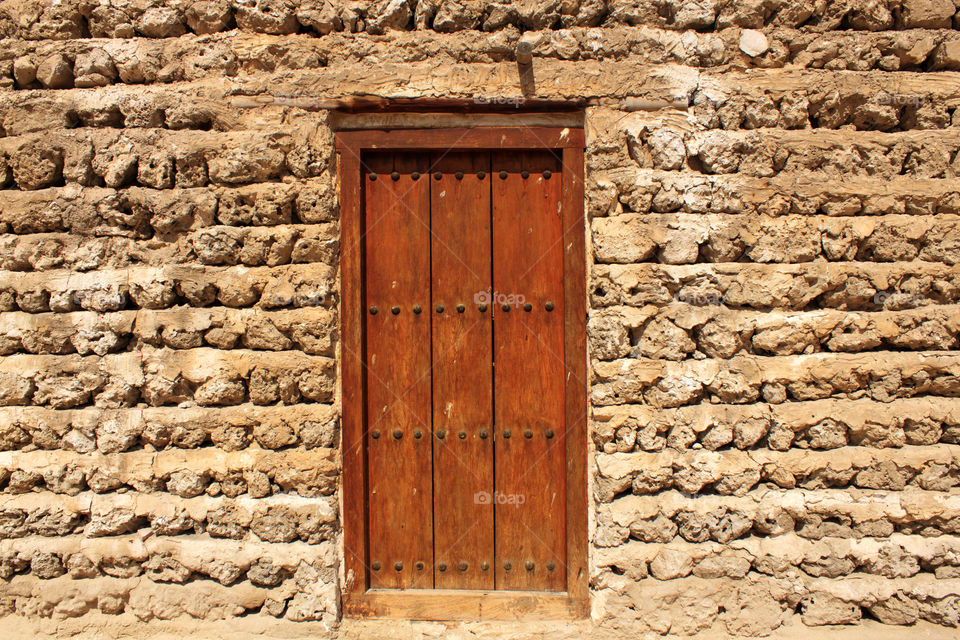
(528, 385)
(397, 341)
(462, 371)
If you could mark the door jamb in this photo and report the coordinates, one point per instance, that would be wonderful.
(434, 604)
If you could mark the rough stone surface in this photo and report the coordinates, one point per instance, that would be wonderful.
(753, 43)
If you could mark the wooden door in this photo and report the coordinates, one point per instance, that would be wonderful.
(468, 447)
(464, 370)
(528, 385)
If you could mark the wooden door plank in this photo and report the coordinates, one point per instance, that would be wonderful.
(462, 371)
(529, 372)
(354, 488)
(575, 358)
(397, 278)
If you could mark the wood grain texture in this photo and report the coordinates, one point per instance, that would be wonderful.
(462, 371)
(397, 594)
(529, 378)
(397, 277)
(351, 358)
(459, 604)
(575, 378)
(463, 138)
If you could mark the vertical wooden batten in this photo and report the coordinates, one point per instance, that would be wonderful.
(575, 361)
(351, 358)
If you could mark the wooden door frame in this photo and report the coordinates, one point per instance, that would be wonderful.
(435, 604)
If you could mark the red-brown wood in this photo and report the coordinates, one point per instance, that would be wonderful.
(356, 566)
(575, 367)
(397, 278)
(360, 595)
(461, 604)
(463, 138)
(529, 378)
(462, 371)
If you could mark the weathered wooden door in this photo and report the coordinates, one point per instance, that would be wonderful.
(464, 370)
(465, 377)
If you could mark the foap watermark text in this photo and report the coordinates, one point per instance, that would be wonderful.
(898, 99)
(485, 497)
(499, 298)
(514, 101)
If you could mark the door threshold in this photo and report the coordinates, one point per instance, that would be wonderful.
(462, 605)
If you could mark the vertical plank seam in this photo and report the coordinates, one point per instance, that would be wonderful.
(493, 385)
(429, 310)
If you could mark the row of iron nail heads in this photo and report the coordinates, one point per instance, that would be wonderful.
(463, 566)
(441, 434)
(549, 306)
(459, 175)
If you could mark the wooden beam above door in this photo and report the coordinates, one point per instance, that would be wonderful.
(461, 138)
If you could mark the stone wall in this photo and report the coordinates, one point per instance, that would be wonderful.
(773, 190)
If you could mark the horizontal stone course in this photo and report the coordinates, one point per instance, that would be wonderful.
(766, 153)
(119, 20)
(701, 328)
(881, 376)
(789, 556)
(140, 109)
(110, 431)
(758, 605)
(157, 377)
(88, 63)
(812, 424)
(622, 188)
(771, 512)
(186, 473)
(933, 468)
(865, 108)
(161, 159)
(276, 518)
(311, 330)
(716, 99)
(97, 214)
(865, 286)
(216, 245)
(64, 597)
(174, 560)
(685, 238)
(61, 291)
